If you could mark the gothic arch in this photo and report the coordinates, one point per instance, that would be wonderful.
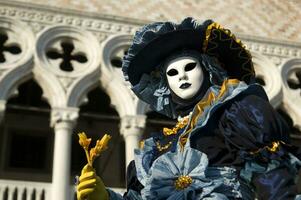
(292, 95)
(121, 98)
(110, 46)
(53, 91)
(112, 79)
(267, 71)
(16, 69)
(66, 87)
(81, 88)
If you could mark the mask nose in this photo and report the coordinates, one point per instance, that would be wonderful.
(182, 75)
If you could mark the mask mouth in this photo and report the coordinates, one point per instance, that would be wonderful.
(185, 85)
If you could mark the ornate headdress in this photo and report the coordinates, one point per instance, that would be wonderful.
(157, 41)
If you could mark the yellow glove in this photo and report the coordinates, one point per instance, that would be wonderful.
(90, 186)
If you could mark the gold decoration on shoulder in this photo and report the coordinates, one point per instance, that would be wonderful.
(274, 147)
(183, 182)
(211, 98)
(164, 147)
(180, 124)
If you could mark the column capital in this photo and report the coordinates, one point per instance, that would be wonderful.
(132, 124)
(65, 114)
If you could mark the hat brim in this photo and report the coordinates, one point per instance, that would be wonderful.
(210, 38)
(156, 52)
(231, 53)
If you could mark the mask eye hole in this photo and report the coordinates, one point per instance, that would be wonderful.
(190, 66)
(172, 72)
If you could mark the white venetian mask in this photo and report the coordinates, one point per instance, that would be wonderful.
(184, 76)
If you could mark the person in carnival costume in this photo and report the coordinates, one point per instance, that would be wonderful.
(229, 142)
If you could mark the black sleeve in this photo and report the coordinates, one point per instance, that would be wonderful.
(132, 181)
(243, 124)
(250, 123)
(277, 184)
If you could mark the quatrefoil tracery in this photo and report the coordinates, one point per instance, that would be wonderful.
(7, 47)
(116, 58)
(67, 54)
(294, 80)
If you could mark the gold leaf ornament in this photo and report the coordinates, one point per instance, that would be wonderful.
(84, 141)
(101, 145)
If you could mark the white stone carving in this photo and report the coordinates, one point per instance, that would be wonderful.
(276, 49)
(16, 67)
(112, 79)
(132, 128)
(66, 114)
(292, 97)
(63, 121)
(129, 122)
(81, 87)
(49, 16)
(114, 46)
(120, 97)
(267, 71)
(84, 44)
(68, 85)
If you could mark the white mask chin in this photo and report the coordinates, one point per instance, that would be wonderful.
(184, 76)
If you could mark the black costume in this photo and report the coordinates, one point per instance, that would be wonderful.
(233, 125)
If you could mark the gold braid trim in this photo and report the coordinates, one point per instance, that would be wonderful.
(219, 27)
(200, 108)
(180, 124)
(208, 35)
(275, 146)
(164, 147)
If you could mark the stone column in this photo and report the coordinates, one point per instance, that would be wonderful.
(2, 113)
(2, 109)
(132, 129)
(63, 121)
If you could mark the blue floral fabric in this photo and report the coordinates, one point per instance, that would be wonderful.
(207, 182)
(158, 173)
(130, 195)
(145, 157)
(231, 92)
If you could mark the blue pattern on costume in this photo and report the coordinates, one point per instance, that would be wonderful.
(130, 195)
(150, 169)
(232, 91)
(208, 182)
(144, 159)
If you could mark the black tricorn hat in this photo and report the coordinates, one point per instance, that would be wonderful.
(155, 42)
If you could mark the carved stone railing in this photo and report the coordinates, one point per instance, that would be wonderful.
(24, 190)
(28, 190)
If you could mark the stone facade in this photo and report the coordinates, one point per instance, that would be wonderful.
(267, 18)
(69, 52)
